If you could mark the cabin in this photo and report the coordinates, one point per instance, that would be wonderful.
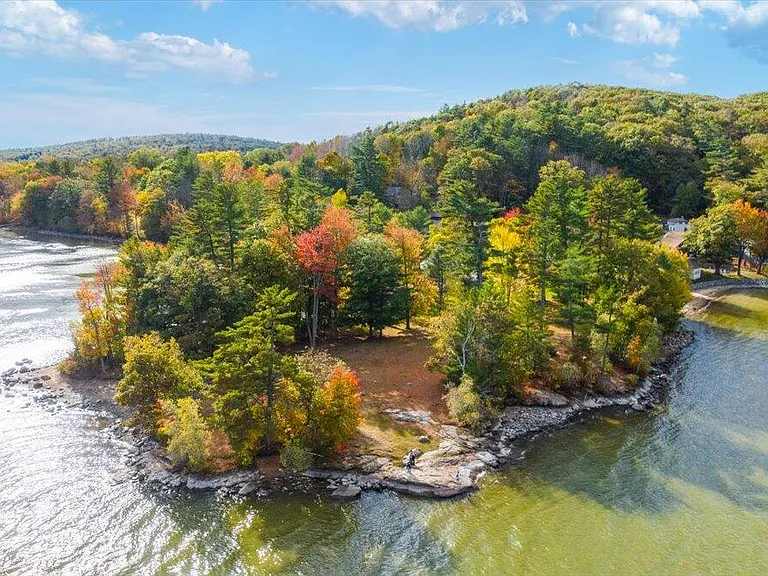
(676, 225)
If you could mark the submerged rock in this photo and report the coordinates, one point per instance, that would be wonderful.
(248, 488)
(347, 492)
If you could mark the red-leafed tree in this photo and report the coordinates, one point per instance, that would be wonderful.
(320, 251)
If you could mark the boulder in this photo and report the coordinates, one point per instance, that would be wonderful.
(248, 488)
(424, 439)
(347, 492)
(487, 458)
(544, 398)
(421, 417)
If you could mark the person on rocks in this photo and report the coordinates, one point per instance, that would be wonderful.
(410, 459)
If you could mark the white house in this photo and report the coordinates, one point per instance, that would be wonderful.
(677, 225)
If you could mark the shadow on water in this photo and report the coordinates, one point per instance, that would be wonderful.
(712, 433)
(381, 533)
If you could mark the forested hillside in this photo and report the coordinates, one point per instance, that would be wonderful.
(164, 143)
(683, 148)
(524, 230)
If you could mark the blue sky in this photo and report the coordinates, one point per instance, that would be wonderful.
(303, 70)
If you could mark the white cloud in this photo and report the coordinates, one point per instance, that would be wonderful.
(45, 27)
(370, 88)
(754, 14)
(631, 23)
(635, 22)
(747, 26)
(438, 15)
(205, 4)
(637, 72)
(567, 61)
(664, 60)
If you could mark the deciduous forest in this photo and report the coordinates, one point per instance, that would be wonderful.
(522, 232)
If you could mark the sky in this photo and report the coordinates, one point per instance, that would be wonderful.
(308, 70)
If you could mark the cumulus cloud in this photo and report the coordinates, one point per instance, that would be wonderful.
(634, 23)
(625, 21)
(46, 27)
(438, 15)
(637, 72)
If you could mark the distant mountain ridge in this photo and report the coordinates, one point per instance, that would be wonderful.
(166, 143)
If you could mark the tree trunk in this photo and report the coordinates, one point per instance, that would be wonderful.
(741, 259)
(315, 312)
(408, 309)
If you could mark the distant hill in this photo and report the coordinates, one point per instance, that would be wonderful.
(166, 143)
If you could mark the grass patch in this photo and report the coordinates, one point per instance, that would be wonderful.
(381, 435)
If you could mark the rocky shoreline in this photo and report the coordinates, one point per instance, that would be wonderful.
(454, 468)
(461, 460)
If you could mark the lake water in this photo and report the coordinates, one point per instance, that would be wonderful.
(680, 491)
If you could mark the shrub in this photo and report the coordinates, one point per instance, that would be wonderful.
(633, 380)
(337, 410)
(464, 404)
(295, 457)
(569, 375)
(320, 364)
(188, 434)
(642, 351)
(154, 370)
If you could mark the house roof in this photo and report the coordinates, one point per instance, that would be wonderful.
(672, 239)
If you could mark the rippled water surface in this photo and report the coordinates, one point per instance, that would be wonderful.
(682, 491)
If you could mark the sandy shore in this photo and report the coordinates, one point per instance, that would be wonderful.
(704, 294)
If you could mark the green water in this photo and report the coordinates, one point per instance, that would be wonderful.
(745, 312)
(680, 491)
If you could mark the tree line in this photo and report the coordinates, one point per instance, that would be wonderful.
(165, 143)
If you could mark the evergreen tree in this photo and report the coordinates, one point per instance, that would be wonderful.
(368, 169)
(376, 297)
